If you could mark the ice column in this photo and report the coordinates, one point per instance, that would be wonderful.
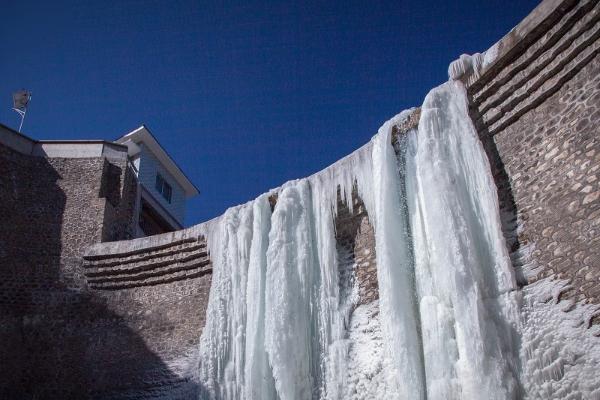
(463, 273)
(259, 383)
(395, 272)
(223, 340)
(291, 333)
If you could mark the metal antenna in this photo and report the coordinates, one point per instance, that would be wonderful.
(21, 100)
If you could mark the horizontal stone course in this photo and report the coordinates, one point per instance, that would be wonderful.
(117, 322)
(106, 251)
(533, 59)
(541, 78)
(142, 256)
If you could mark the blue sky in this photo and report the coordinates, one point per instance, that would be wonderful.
(243, 95)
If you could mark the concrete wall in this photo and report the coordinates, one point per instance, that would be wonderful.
(148, 167)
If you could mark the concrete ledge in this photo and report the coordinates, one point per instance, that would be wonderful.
(79, 149)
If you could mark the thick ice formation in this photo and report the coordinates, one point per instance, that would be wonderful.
(464, 276)
(277, 326)
(283, 322)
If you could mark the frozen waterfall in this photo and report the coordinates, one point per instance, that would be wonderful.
(464, 278)
(279, 326)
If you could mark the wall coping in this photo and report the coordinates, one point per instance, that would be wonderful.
(144, 243)
(60, 148)
(519, 38)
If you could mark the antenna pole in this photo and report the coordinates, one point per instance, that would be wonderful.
(22, 119)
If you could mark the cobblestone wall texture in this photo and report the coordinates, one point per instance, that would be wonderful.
(355, 240)
(159, 287)
(120, 322)
(59, 340)
(538, 114)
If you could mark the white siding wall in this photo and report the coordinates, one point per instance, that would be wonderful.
(148, 167)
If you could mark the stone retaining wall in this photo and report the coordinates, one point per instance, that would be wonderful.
(537, 109)
(121, 322)
(355, 240)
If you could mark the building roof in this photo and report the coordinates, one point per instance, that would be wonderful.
(143, 135)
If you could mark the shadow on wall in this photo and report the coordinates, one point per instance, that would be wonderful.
(58, 340)
(507, 204)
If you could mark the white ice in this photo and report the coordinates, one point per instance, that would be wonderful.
(464, 276)
(277, 326)
(281, 324)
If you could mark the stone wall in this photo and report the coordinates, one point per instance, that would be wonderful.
(159, 285)
(355, 240)
(119, 187)
(53, 330)
(537, 109)
(124, 322)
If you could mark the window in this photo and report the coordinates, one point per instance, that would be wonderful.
(159, 183)
(163, 187)
(167, 191)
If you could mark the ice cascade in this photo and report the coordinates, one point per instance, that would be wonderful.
(279, 325)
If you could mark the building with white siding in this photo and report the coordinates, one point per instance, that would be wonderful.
(163, 188)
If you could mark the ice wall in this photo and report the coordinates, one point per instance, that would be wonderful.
(278, 325)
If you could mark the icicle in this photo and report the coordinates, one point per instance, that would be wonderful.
(223, 341)
(292, 278)
(395, 272)
(259, 383)
(279, 327)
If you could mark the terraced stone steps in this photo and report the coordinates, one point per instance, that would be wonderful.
(532, 53)
(181, 259)
(540, 71)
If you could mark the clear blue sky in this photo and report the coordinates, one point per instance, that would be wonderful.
(244, 96)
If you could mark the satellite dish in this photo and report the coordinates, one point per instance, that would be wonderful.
(21, 99)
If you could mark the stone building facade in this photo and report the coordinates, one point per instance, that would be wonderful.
(81, 317)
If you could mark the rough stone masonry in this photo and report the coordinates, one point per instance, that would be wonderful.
(84, 317)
